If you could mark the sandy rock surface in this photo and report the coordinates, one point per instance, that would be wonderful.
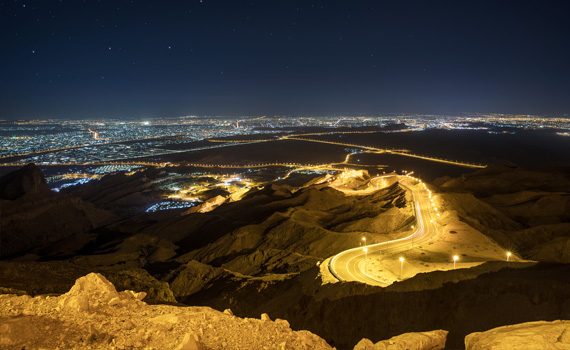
(93, 315)
(434, 340)
(540, 335)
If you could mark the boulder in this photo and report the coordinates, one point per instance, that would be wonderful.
(542, 335)
(190, 342)
(95, 290)
(94, 285)
(433, 340)
(365, 344)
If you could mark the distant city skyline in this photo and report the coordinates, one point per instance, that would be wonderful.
(145, 59)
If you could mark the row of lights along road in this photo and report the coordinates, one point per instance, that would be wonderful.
(455, 257)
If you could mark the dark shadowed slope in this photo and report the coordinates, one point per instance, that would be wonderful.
(35, 217)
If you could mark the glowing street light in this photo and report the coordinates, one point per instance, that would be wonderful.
(401, 266)
(455, 258)
(508, 256)
(364, 240)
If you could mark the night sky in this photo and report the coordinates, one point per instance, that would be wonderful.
(140, 59)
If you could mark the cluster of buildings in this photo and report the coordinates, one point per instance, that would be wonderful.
(89, 141)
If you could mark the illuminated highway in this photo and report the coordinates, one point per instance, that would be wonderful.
(393, 151)
(347, 265)
(440, 160)
(400, 152)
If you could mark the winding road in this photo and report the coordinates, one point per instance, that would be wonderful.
(346, 266)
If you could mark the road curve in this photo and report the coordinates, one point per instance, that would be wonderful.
(345, 266)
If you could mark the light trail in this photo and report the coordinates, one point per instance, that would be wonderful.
(434, 159)
(393, 151)
(241, 141)
(336, 143)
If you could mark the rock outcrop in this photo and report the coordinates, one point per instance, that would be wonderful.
(57, 277)
(541, 335)
(94, 291)
(93, 315)
(34, 217)
(434, 340)
(26, 180)
(195, 277)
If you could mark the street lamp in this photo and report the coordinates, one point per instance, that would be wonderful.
(401, 266)
(508, 256)
(364, 239)
(455, 258)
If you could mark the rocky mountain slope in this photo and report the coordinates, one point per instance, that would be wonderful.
(460, 301)
(272, 230)
(35, 217)
(277, 231)
(26, 180)
(526, 210)
(126, 195)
